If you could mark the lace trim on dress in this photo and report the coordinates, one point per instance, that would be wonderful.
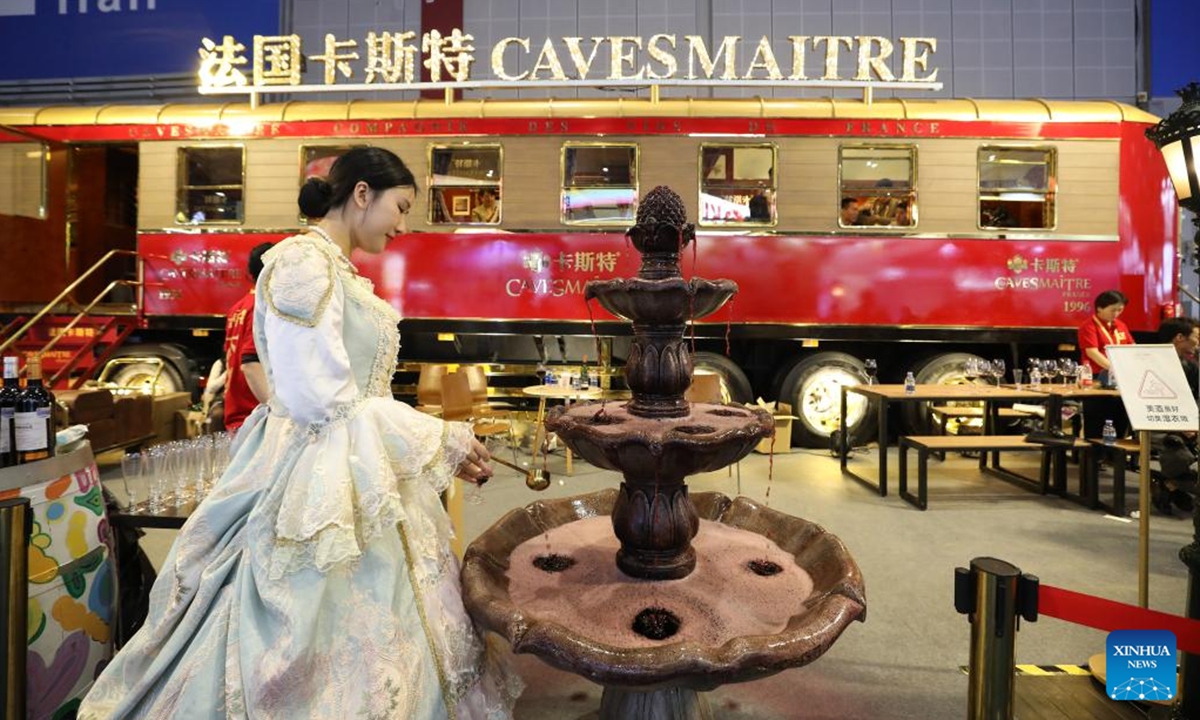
(378, 505)
(301, 292)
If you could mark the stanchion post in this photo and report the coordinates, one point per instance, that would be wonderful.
(1187, 706)
(1144, 518)
(16, 525)
(992, 593)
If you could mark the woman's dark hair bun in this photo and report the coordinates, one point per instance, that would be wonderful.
(316, 197)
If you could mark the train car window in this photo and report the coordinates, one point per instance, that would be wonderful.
(212, 184)
(878, 186)
(464, 184)
(599, 183)
(23, 179)
(316, 160)
(1017, 187)
(737, 185)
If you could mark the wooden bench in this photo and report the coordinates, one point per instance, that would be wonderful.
(926, 444)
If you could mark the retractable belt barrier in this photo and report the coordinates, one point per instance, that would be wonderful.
(1110, 615)
(993, 594)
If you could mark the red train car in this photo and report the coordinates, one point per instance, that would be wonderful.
(915, 233)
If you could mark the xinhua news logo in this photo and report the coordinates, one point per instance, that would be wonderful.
(1141, 665)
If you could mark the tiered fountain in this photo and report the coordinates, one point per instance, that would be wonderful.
(760, 591)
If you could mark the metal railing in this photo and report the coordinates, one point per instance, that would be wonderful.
(12, 340)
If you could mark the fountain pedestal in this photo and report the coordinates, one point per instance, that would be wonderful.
(664, 622)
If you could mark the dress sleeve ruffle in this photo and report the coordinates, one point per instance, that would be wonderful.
(397, 461)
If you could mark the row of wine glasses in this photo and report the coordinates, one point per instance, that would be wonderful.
(174, 474)
(1064, 368)
(980, 369)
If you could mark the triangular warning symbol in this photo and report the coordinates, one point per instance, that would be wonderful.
(1153, 388)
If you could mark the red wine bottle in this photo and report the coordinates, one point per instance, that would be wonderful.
(33, 421)
(8, 408)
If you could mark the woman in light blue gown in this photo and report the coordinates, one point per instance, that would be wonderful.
(316, 580)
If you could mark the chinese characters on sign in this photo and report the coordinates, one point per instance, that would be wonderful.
(1051, 273)
(391, 58)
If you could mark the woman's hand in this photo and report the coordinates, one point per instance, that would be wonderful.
(475, 468)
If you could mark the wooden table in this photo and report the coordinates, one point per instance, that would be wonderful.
(989, 395)
(139, 516)
(1057, 393)
(558, 392)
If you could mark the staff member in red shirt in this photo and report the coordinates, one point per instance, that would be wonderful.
(1103, 329)
(245, 382)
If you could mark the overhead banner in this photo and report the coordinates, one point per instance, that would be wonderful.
(46, 39)
(393, 60)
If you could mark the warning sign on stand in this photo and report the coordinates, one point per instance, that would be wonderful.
(1153, 387)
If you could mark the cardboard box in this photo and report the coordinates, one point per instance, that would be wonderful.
(162, 414)
(783, 428)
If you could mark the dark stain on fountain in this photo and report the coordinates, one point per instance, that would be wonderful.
(553, 562)
(729, 413)
(656, 623)
(765, 568)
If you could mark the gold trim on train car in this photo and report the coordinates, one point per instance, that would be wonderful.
(770, 192)
(817, 108)
(1049, 196)
(497, 186)
(912, 185)
(181, 187)
(634, 176)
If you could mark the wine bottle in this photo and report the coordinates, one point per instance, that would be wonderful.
(8, 408)
(33, 421)
(585, 381)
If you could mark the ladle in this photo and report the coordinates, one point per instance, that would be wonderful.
(532, 479)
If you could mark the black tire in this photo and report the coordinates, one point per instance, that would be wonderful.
(944, 369)
(813, 389)
(733, 381)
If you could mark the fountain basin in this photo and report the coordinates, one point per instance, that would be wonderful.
(665, 301)
(647, 450)
(808, 625)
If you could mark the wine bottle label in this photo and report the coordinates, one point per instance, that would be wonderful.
(32, 430)
(6, 420)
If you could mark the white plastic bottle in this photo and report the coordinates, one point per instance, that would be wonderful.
(910, 384)
(1110, 433)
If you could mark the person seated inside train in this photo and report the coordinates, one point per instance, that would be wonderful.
(851, 214)
(488, 209)
(902, 217)
(760, 207)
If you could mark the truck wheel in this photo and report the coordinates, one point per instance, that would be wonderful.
(944, 369)
(735, 386)
(139, 376)
(813, 389)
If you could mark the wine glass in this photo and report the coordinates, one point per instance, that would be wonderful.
(1066, 367)
(872, 370)
(131, 475)
(971, 369)
(998, 370)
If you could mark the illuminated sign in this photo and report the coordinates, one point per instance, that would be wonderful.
(392, 61)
